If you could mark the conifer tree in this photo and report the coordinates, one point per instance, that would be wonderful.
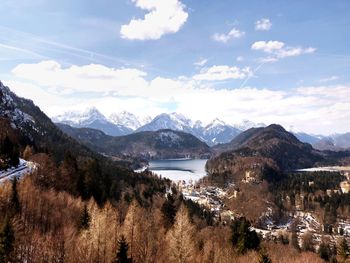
(242, 237)
(6, 240)
(122, 253)
(169, 212)
(8, 153)
(84, 221)
(15, 206)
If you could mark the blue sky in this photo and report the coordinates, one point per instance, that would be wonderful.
(267, 61)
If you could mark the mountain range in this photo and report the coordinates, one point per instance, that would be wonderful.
(124, 123)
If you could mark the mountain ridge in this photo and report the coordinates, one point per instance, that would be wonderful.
(160, 144)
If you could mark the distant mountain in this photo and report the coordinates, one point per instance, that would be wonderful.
(307, 138)
(128, 120)
(335, 142)
(172, 121)
(274, 143)
(161, 144)
(246, 125)
(218, 132)
(342, 140)
(92, 118)
(123, 123)
(215, 132)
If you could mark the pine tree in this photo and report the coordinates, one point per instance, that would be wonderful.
(15, 206)
(242, 237)
(343, 249)
(122, 254)
(8, 153)
(169, 212)
(6, 240)
(84, 221)
(263, 257)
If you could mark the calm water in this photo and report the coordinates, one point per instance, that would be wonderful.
(178, 169)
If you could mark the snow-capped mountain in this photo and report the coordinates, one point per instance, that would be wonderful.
(125, 123)
(81, 118)
(215, 132)
(172, 121)
(247, 124)
(92, 118)
(126, 119)
(219, 132)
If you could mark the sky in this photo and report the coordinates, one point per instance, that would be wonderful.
(285, 62)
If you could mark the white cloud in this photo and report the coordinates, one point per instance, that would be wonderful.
(87, 78)
(234, 33)
(164, 17)
(278, 50)
(263, 24)
(222, 72)
(268, 46)
(320, 109)
(329, 79)
(201, 62)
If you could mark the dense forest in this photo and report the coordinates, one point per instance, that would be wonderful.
(314, 191)
(80, 209)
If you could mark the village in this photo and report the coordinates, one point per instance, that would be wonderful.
(212, 198)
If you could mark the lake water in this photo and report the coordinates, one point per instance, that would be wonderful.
(179, 169)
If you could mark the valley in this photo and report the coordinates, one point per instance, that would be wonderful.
(288, 191)
(174, 131)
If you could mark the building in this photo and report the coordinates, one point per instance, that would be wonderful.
(345, 187)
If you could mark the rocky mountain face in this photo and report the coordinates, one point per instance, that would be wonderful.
(10, 109)
(128, 120)
(215, 132)
(161, 144)
(92, 118)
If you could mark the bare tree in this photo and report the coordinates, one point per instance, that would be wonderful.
(180, 238)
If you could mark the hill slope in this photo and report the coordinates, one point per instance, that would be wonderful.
(92, 174)
(272, 142)
(161, 144)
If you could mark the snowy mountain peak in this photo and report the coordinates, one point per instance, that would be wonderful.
(247, 124)
(126, 119)
(173, 121)
(216, 122)
(81, 118)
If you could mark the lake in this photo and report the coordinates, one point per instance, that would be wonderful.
(179, 169)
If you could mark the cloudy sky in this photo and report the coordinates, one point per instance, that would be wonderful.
(284, 62)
